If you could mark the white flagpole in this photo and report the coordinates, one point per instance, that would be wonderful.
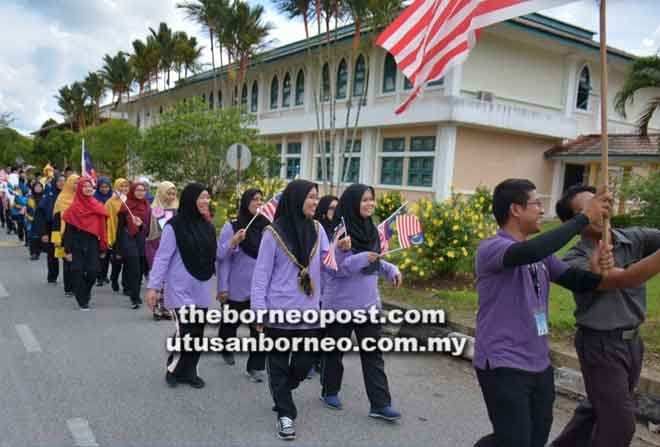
(82, 156)
(252, 220)
(124, 203)
(392, 251)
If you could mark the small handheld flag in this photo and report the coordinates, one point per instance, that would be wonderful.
(86, 164)
(330, 259)
(409, 230)
(385, 231)
(268, 210)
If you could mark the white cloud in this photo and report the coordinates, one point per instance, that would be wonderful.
(53, 43)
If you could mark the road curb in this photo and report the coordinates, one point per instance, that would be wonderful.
(568, 378)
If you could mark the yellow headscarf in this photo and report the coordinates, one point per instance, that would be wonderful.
(161, 196)
(65, 197)
(113, 205)
(160, 203)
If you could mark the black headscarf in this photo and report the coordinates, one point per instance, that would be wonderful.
(298, 232)
(195, 235)
(250, 245)
(363, 231)
(321, 214)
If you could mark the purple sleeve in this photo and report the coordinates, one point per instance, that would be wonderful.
(388, 270)
(163, 257)
(222, 258)
(490, 255)
(353, 263)
(556, 267)
(263, 271)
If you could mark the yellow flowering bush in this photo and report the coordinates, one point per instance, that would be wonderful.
(386, 204)
(452, 231)
(226, 208)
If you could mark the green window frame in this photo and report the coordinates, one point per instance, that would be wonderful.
(420, 171)
(254, 100)
(325, 83)
(391, 171)
(274, 92)
(342, 80)
(389, 74)
(300, 88)
(292, 167)
(294, 148)
(394, 145)
(422, 144)
(286, 91)
(359, 76)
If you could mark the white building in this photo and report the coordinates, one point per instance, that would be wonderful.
(530, 84)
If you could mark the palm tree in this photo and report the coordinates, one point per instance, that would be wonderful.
(644, 73)
(64, 100)
(207, 13)
(165, 39)
(94, 86)
(249, 34)
(144, 62)
(294, 9)
(191, 57)
(118, 75)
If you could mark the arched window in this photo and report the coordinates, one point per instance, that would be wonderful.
(325, 83)
(584, 88)
(274, 92)
(359, 77)
(300, 88)
(286, 91)
(389, 74)
(254, 100)
(219, 99)
(244, 98)
(203, 97)
(342, 80)
(211, 105)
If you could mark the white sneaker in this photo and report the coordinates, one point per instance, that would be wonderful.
(286, 428)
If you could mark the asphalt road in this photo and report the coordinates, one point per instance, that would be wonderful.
(97, 378)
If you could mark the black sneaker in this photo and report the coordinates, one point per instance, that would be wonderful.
(85, 307)
(171, 379)
(196, 382)
(135, 305)
(115, 286)
(286, 428)
(228, 358)
(69, 294)
(99, 283)
(34, 257)
(255, 376)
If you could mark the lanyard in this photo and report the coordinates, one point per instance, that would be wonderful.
(534, 271)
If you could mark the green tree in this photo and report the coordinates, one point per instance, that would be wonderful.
(13, 145)
(94, 86)
(644, 193)
(165, 40)
(58, 146)
(110, 145)
(644, 73)
(118, 74)
(190, 143)
(144, 62)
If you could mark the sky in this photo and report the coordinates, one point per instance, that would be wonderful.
(47, 44)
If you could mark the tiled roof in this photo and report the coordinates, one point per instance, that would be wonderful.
(621, 146)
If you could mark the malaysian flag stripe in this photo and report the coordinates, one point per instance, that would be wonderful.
(330, 259)
(431, 36)
(409, 229)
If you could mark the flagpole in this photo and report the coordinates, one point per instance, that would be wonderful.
(252, 220)
(604, 102)
(397, 210)
(392, 251)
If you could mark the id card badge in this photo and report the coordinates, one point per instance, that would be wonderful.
(541, 322)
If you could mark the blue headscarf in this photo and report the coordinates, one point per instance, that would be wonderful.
(100, 196)
(47, 203)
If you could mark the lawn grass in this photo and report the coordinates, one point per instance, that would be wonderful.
(462, 306)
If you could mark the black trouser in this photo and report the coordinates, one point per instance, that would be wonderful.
(117, 267)
(286, 369)
(133, 277)
(53, 264)
(519, 406)
(20, 228)
(373, 366)
(67, 278)
(611, 367)
(184, 364)
(84, 268)
(105, 265)
(256, 360)
(11, 225)
(35, 246)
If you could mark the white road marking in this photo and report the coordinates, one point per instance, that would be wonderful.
(3, 291)
(81, 432)
(28, 338)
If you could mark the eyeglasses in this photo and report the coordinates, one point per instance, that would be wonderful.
(536, 203)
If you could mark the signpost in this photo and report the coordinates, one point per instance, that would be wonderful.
(238, 157)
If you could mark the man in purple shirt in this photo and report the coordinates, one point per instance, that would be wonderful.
(513, 282)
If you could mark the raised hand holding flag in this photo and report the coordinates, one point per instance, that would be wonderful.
(86, 164)
(330, 259)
